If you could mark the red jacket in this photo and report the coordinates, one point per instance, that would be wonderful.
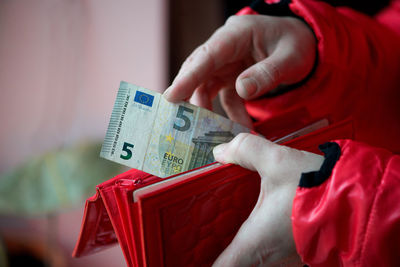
(353, 217)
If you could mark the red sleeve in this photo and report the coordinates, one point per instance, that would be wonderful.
(353, 218)
(390, 16)
(357, 73)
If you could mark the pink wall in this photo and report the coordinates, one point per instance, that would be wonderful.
(60, 65)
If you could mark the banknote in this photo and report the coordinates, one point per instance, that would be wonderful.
(148, 133)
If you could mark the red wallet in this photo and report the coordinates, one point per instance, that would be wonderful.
(186, 219)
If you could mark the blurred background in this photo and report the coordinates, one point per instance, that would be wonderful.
(61, 62)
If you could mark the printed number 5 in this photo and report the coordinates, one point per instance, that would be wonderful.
(127, 148)
(185, 118)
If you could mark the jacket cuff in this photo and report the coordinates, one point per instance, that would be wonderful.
(271, 8)
(334, 222)
(332, 154)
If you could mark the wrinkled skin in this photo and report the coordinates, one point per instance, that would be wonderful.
(245, 58)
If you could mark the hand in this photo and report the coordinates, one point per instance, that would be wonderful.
(266, 237)
(245, 58)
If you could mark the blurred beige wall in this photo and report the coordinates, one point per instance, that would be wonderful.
(61, 62)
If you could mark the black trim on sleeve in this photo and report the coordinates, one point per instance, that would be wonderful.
(280, 8)
(332, 154)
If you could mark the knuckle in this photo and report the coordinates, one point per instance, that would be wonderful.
(278, 161)
(232, 20)
(187, 62)
(242, 21)
(279, 154)
(206, 52)
(241, 143)
(205, 49)
(270, 73)
(194, 54)
(200, 51)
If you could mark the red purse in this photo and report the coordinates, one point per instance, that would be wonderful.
(186, 219)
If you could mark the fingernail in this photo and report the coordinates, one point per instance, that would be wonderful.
(218, 152)
(248, 87)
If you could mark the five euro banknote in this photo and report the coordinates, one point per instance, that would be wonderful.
(148, 133)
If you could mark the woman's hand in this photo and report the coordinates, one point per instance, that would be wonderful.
(266, 237)
(247, 57)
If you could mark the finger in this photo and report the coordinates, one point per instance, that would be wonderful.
(225, 46)
(234, 107)
(261, 77)
(287, 64)
(194, 71)
(246, 150)
(201, 98)
(205, 93)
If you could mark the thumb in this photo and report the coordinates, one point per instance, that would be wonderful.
(245, 150)
(289, 63)
(263, 76)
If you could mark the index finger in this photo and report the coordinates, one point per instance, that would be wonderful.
(194, 71)
(220, 49)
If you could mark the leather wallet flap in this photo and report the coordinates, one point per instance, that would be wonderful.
(110, 208)
(97, 231)
(190, 222)
(101, 215)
